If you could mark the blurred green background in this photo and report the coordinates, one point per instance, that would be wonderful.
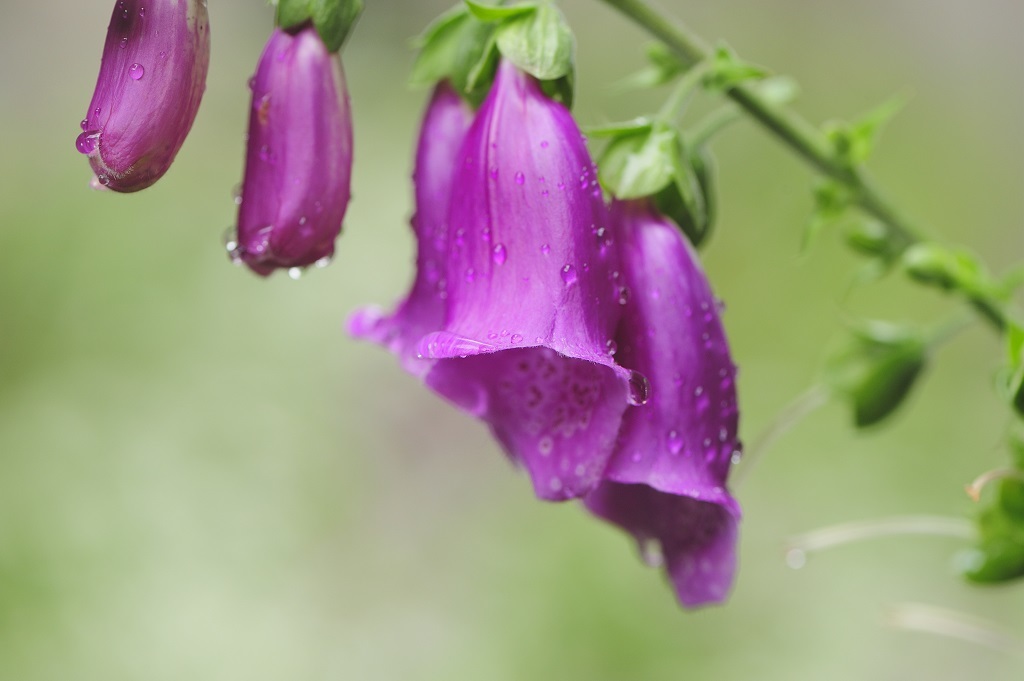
(202, 477)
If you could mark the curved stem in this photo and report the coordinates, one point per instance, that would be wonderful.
(798, 134)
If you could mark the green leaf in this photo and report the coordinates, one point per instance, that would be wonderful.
(728, 70)
(832, 202)
(334, 20)
(999, 556)
(854, 142)
(695, 214)
(637, 125)
(664, 67)
(949, 269)
(439, 45)
(495, 13)
(639, 164)
(539, 43)
(876, 369)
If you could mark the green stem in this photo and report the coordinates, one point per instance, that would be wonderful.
(798, 134)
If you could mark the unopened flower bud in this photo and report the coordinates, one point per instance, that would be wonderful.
(298, 165)
(151, 81)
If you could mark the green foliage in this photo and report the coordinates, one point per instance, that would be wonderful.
(664, 67)
(854, 142)
(670, 201)
(333, 19)
(832, 203)
(949, 269)
(876, 369)
(539, 42)
(999, 556)
(728, 70)
(650, 159)
(460, 49)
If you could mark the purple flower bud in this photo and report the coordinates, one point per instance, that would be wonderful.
(151, 81)
(444, 126)
(298, 165)
(666, 482)
(531, 297)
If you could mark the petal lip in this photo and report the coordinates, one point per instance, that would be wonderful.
(444, 126)
(666, 483)
(298, 166)
(526, 343)
(150, 84)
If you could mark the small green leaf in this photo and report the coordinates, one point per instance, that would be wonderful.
(876, 369)
(292, 13)
(539, 43)
(728, 71)
(439, 47)
(949, 269)
(854, 142)
(639, 164)
(999, 556)
(334, 20)
(695, 213)
(664, 67)
(495, 13)
(832, 202)
(642, 124)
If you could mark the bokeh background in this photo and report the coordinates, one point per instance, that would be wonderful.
(202, 477)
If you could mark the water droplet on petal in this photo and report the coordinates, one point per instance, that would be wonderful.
(639, 389)
(86, 142)
(136, 71)
(611, 347)
(520, 178)
(569, 275)
(323, 262)
(545, 249)
(295, 273)
(142, 12)
(516, 339)
(500, 254)
(675, 442)
(124, 42)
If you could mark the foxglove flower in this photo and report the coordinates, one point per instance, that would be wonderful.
(298, 164)
(526, 343)
(666, 482)
(151, 81)
(444, 126)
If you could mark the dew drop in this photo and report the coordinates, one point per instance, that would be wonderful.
(86, 142)
(611, 347)
(639, 389)
(569, 275)
(124, 42)
(545, 445)
(136, 71)
(555, 485)
(520, 178)
(142, 12)
(84, 123)
(675, 442)
(623, 295)
(516, 339)
(103, 180)
(323, 262)
(236, 195)
(545, 249)
(499, 254)
(295, 273)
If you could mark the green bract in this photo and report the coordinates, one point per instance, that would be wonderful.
(649, 159)
(876, 369)
(333, 19)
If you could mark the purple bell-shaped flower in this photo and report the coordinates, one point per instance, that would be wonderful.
(298, 163)
(666, 483)
(444, 127)
(531, 296)
(152, 78)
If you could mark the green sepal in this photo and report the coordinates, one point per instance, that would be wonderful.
(1015, 374)
(854, 142)
(876, 369)
(728, 71)
(832, 202)
(696, 226)
(539, 42)
(637, 125)
(333, 19)
(949, 269)
(664, 67)
(999, 556)
(499, 13)
(458, 48)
